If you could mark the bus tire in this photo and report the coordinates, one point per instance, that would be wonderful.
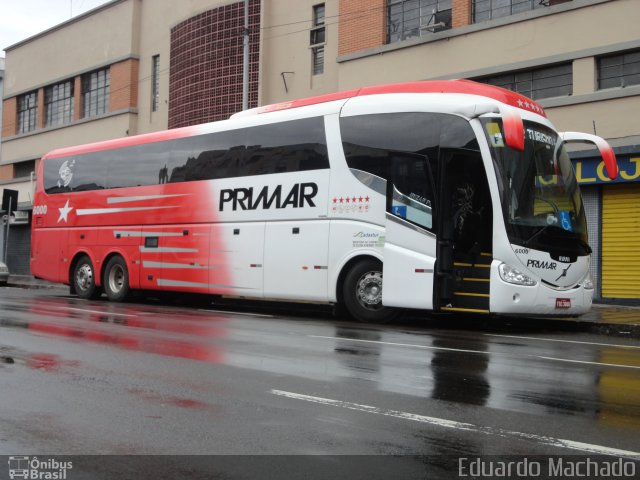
(362, 293)
(116, 279)
(84, 279)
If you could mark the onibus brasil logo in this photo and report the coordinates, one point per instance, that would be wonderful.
(36, 469)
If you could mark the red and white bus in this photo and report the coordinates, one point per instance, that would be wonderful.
(460, 195)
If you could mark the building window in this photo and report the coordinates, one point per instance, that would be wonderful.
(555, 81)
(95, 93)
(155, 83)
(27, 109)
(619, 70)
(415, 18)
(317, 40)
(58, 104)
(24, 169)
(487, 9)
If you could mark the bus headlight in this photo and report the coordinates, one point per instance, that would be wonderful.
(587, 283)
(512, 275)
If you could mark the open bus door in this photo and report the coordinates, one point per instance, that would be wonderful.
(465, 233)
(410, 243)
(409, 262)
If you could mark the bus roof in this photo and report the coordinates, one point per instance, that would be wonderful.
(468, 87)
(432, 86)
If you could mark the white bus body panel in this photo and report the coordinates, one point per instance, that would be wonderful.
(242, 255)
(295, 261)
(408, 270)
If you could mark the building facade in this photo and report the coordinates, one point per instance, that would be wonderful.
(1, 90)
(147, 65)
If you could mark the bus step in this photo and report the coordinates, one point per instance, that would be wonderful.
(464, 310)
(482, 257)
(473, 285)
(470, 294)
(467, 271)
(470, 300)
(471, 265)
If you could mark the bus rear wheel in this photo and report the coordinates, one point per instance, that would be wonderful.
(84, 280)
(116, 279)
(362, 293)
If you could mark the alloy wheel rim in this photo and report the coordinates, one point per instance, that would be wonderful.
(369, 290)
(84, 277)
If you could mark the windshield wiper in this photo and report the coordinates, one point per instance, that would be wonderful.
(527, 241)
(580, 241)
(584, 245)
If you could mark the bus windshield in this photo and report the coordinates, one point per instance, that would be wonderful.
(540, 197)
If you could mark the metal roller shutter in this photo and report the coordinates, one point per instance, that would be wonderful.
(19, 250)
(591, 199)
(620, 241)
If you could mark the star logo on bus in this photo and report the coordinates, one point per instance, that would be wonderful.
(64, 212)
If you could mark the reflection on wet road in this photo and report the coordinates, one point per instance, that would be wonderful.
(167, 379)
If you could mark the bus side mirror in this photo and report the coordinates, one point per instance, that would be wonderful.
(513, 127)
(606, 152)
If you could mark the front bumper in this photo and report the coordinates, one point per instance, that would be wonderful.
(538, 300)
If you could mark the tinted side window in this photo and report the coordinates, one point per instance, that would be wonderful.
(207, 157)
(90, 173)
(134, 166)
(74, 174)
(283, 147)
(403, 149)
(55, 180)
(455, 132)
(366, 138)
(286, 147)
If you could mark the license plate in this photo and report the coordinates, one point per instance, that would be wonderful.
(563, 303)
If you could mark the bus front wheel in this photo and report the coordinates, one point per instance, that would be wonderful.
(362, 293)
(116, 279)
(84, 279)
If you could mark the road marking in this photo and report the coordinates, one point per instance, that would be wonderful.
(468, 427)
(96, 311)
(428, 347)
(563, 341)
(590, 363)
(231, 312)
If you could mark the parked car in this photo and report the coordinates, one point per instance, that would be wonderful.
(4, 273)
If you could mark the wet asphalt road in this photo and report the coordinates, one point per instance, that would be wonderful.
(142, 378)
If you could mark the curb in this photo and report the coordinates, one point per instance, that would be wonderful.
(621, 330)
(532, 325)
(35, 286)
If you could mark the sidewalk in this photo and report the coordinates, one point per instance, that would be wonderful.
(28, 281)
(614, 320)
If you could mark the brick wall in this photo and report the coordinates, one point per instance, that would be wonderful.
(9, 117)
(6, 172)
(460, 13)
(124, 85)
(362, 25)
(205, 79)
